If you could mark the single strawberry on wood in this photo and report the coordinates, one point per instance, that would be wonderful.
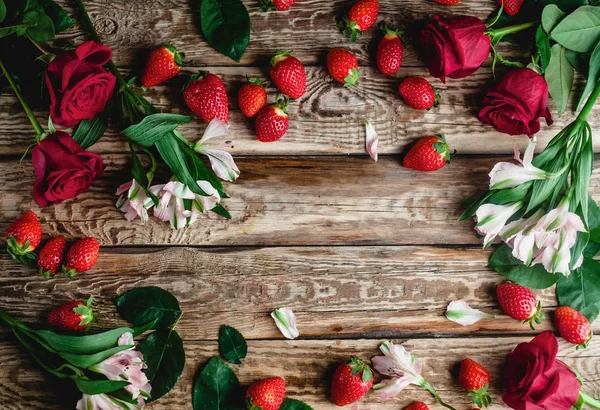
(511, 7)
(474, 378)
(447, 2)
(573, 326)
(50, 259)
(267, 394)
(272, 121)
(360, 18)
(351, 381)
(206, 96)
(73, 316)
(418, 93)
(163, 63)
(287, 72)
(389, 51)
(81, 257)
(252, 97)
(417, 406)
(343, 67)
(23, 236)
(428, 154)
(279, 5)
(520, 303)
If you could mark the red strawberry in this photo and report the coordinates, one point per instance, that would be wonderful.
(511, 7)
(51, 256)
(278, 5)
(428, 154)
(360, 18)
(447, 2)
(81, 257)
(163, 64)
(252, 97)
(573, 326)
(351, 380)
(417, 406)
(389, 52)
(418, 93)
(288, 74)
(272, 121)
(475, 379)
(266, 394)
(343, 67)
(73, 316)
(205, 95)
(519, 303)
(23, 236)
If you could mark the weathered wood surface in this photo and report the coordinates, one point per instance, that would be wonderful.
(307, 366)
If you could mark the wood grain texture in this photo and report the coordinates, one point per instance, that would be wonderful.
(329, 119)
(336, 292)
(307, 366)
(283, 201)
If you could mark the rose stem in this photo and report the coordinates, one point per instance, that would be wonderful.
(589, 400)
(36, 125)
(501, 32)
(94, 35)
(585, 111)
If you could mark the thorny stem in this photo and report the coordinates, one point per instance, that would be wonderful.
(36, 124)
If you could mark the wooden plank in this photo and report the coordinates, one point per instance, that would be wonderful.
(307, 366)
(336, 292)
(329, 119)
(131, 27)
(308, 201)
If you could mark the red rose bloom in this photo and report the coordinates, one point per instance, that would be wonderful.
(78, 85)
(536, 380)
(63, 169)
(454, 47)
(515, 104)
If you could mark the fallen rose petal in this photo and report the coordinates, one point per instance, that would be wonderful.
(460, 312)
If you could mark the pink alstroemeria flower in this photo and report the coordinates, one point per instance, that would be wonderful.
(127, 365)
(520, 236)
(491, 219)
(104, 402)
(135, 203)
(221, 161)
(508, 175)
(400, 365)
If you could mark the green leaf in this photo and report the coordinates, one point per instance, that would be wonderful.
(18, 28)
(59, 16)
(551, 16)
(292, 404)
(154, 127)
(580, 30)
(579, 61)
(559, 76)
(142, 305)
(232, 344)
(42, 28)
(89, 344)
(140, 330)
(98, 386)
(226, 26)
(581, 173)
(2, 11)
(89, 131)
(220, 210)
(542, 42)
(85, 361)
(593, 76)
(163, 353)
(581, 289)
(533, 277)
(216, 387)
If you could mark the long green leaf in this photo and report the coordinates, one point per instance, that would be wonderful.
(2, 11)
(226, 26)
(580, 30)
(155, 127)
(7, 31)
(559, 76)
(593, 76)
(88, 344)
(92, 387)
(85, 361)
(542, 42)
(88, 132)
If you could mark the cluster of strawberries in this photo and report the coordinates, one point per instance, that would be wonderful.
(511, 7)
(24, 235)
(520, 303)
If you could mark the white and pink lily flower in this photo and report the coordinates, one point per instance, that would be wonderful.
(201, 203)
(127, 365)
(509, 175)
(105, 402)
(221, 161)
(492, 218)
(171, 206)
(520, 236)
(371, 141)
(133, 201)
(400, 365)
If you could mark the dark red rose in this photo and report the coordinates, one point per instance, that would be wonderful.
(78, 85)
(515, 104)
(536, 380)
(63, 169)
(454, 47)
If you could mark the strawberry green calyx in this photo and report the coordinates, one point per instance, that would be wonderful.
(85, 312)
(442, 148)
(21, 253)
(359, 366)
(586, 343)
(436, 100)
(196, 77)
(481, 397)
(280, 56)
(352, 78)
(350, 28)
(536, 316)
(177, 56)
(282, 102)
(390, 31)
(254, 81)
(267, 5)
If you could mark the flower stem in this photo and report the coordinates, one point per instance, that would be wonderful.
(585, 111)
(589, 400)
(501, 32)
(435, 394)
(36, 125)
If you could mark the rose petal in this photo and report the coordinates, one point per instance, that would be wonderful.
(371, 141)
(286, 322)
(460, 312)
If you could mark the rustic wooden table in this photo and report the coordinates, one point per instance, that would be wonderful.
(361, 251)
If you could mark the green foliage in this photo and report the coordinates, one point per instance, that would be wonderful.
(580, 30)
(292, 404)
(83, 345)
(85, 361)
(559, 76)
(593, 75)
(164, 354)
(581, 290)
(232, 344)
(88, 132)
(142, 305)
(226, 26)
(154, 127)
(216, 387)
(542, 43)
(533, 277)
(98, 386)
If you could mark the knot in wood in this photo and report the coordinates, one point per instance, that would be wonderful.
(105, 26)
